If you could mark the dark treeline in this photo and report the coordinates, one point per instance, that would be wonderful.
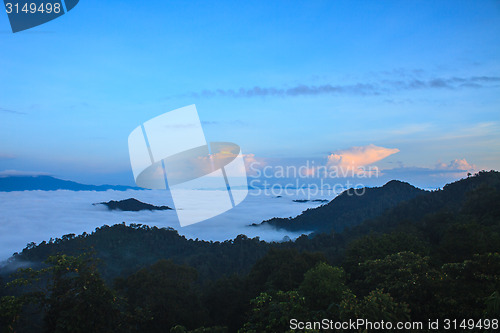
(434, 256)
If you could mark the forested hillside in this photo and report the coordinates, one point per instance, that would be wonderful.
(350, 208)
(435, 256)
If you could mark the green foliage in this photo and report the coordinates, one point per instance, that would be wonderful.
(464, 239)
(228, 301)
(79, 300)
(378, 246)
(323, 287)
(376, 306)
(406, 276)
(272, 312)
(10, 311)
(469, 287)
(282, 269)
(162, 296)
(72, 294)
(483, 202)
(126, 249)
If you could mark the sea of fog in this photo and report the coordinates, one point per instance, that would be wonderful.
(35, 216)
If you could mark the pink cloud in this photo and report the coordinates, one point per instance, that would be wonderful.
(252, 163)
(356, 157)
(458, 165)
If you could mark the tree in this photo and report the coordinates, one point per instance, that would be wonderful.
(406, 276)
(282, 269)
(161, 296)
(227, 301)
(469, 287)
(272, 312)
(375, 307)
(376, 246)
(72, 294)
(323, 287)
(10, 311)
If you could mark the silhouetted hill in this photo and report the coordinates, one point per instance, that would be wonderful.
(124, 249)
(49, 183)
(350, 208)
(449, 200)
(131, 205)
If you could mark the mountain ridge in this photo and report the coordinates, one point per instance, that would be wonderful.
(345, 210)
(49, 183)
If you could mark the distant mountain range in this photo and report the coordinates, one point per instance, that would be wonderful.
(49, 183)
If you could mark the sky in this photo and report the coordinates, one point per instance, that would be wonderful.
(412, 87)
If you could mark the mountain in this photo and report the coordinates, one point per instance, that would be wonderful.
(477, 193)
(380, 209)
(131, 205)
(49, 183)
(350, 208)
(416, 260)
(434, 217)
(126, 248)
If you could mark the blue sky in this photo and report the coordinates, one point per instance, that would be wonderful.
(285, 80)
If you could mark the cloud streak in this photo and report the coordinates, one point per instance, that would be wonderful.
(7, 173)
(369, 88)
(432, 177)
(4, 110)
(6, 157)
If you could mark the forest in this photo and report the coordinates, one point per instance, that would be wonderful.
(407, 256)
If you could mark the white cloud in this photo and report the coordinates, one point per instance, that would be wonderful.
(457, 165)
(35, 216)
